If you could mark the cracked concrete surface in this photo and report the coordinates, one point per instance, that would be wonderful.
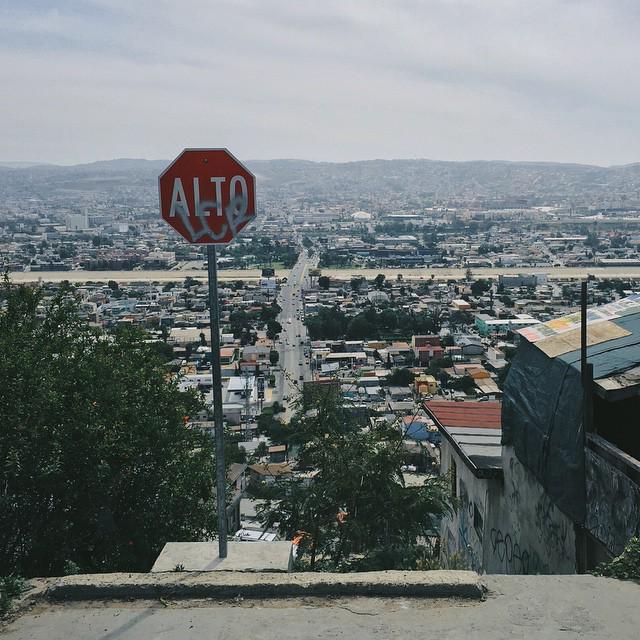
(546, 607)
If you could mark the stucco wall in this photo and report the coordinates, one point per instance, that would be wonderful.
(527, 533)
(522, 531)
(459, 540)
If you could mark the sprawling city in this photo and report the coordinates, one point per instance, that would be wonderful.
(309, 398)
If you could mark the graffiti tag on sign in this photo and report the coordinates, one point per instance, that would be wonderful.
(207, 196)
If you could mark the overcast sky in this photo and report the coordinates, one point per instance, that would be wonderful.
(555, 80)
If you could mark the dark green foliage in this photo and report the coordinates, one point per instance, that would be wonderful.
(269, 426)
(359, 476)
(10, 587)
(324, 282)
(332, 324)
(241, 323)
(480, 286)
(334, 259)
(265, 252)
(96, 466)
(273, 329)
(626, 566)
(441, 363)
(401, 377)
(163, 350)
(327, 324)
(464, 383)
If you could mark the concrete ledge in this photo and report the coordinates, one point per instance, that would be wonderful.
(225, 585)
(242, 556)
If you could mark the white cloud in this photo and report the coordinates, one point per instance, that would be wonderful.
(337, 80)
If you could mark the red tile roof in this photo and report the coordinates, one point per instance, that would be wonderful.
(481, 415)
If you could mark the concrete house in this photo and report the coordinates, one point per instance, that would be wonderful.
(558, 489)
(586, 464)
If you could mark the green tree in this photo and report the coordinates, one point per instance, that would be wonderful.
(97, 467)
(379, 281)
(327, 324)
(324, 282)
(592, 240)
(273, 329)
(401, 377)
(480, 286)
(357, 513)
(274, 357)
(361, 327)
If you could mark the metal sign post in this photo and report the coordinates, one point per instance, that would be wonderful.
(209, 197)
(216, 375)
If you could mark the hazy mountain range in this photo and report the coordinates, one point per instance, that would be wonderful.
(537, 181)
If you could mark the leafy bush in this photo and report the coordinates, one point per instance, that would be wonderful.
(97, 467)
(626, 566)
(10, 587)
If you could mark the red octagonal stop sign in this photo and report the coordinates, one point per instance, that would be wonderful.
(207, 196)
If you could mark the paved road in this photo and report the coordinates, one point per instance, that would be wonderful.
(293, 339)
(532, 607)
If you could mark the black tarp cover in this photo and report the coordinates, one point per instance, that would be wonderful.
(542, 419)
(542, 411)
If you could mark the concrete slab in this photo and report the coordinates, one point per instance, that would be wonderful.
(241, 556)
(531, 607)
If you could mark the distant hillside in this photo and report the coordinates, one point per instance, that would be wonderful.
(465, 180)
(19, 164)
(538, 182)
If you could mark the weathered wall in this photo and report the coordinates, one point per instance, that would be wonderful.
(522, 532)
(527, 533)
(459, 538)
(613, 503)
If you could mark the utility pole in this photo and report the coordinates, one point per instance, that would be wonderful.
(586, 369)
(586, 375)
(247, 399)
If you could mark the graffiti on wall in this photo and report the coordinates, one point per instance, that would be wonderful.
(515, 559)
(613, 503)
(465, 515)
(533, 536)
(552, 528)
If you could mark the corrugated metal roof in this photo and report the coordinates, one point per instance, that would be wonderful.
(613, 356)
(608, 357)
(474, 430)
(484, 415)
